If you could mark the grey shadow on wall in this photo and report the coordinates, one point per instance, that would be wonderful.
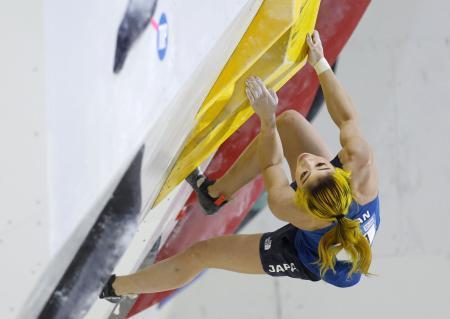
(137, 17)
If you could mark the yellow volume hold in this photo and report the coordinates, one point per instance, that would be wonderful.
(273, 48)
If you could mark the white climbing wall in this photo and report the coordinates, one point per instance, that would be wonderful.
(69, 126)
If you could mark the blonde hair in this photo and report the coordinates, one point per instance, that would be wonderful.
(330, 200)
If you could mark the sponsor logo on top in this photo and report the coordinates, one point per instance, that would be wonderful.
(162, 38)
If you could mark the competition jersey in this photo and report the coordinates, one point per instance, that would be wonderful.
(307, 242)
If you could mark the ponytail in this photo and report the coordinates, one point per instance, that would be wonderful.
(330, 200)
(345, 235)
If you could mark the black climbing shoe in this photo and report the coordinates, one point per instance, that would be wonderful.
(108, 292)
(200, 184)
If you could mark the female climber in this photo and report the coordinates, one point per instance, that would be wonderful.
(331, 208)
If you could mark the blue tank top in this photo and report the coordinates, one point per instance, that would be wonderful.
(307, 242)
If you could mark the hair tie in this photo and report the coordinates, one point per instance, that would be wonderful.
(339, 217)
